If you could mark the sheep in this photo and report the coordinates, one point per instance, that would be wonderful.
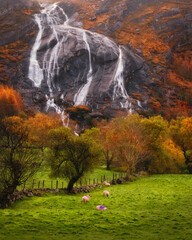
(106, 193)
(99, 207)
(106, 183)
(85, 198)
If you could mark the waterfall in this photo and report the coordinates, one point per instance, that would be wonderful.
(81, 95)
(49, 16)
(35, 72)
(54, 20)
(119, 91)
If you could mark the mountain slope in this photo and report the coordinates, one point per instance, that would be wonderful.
(156, 55)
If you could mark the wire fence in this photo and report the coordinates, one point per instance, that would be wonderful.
(59, 184)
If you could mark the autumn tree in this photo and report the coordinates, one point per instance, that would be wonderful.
(18, 161)
(105, 132)
(127, 143)
(39, 126)
(155, 134)
(10, 102)
(71, 156)
(181, 132)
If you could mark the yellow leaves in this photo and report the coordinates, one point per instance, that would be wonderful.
(175, 151)
(186, 127)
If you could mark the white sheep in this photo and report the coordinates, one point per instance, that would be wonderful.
(106, 183)
(99, 207)
(106, 193)
(85, 198)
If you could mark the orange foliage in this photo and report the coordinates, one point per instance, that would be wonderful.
(39, 126)
(13, 51)
(155, 105)
(80, 108)
(181, 108)
(10, 101)
(183, 64)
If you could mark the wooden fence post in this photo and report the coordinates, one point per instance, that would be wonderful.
(57, 184)
(33, 183)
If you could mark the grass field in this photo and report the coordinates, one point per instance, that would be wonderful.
(151, 208)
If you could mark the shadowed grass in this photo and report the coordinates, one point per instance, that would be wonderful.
(151, 208)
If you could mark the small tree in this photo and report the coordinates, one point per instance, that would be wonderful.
(18, 161)
(71, 156)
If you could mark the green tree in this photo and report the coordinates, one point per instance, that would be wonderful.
(71, 156)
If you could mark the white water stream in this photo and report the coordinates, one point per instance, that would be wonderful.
(53, 16)
(81, 95)
(119, 91)
(35, 72)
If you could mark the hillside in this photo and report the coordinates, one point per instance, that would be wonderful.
(155, 52)
(157, 207)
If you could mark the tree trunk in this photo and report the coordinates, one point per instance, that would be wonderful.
(108, 160)
(108, 165)
(187, 162)
(71, 183)
(4, 198)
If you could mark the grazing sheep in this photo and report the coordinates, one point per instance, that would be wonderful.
(85, 198)
(99, 207)
(106, 183)
(106, 193)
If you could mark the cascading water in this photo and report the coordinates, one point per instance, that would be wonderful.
(119, 91)
(49, 16)
(35, 72)
(53, 20)
(81, 95)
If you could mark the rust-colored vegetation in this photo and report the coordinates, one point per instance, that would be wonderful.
(10, 101)
(10, 57)
(77, 109)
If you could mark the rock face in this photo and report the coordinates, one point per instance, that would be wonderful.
(72, 64)
(109, 55)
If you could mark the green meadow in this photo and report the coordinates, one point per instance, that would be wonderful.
(150, 208)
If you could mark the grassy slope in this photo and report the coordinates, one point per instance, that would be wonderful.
(157, 207)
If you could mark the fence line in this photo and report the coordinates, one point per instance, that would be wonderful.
(59, 184)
